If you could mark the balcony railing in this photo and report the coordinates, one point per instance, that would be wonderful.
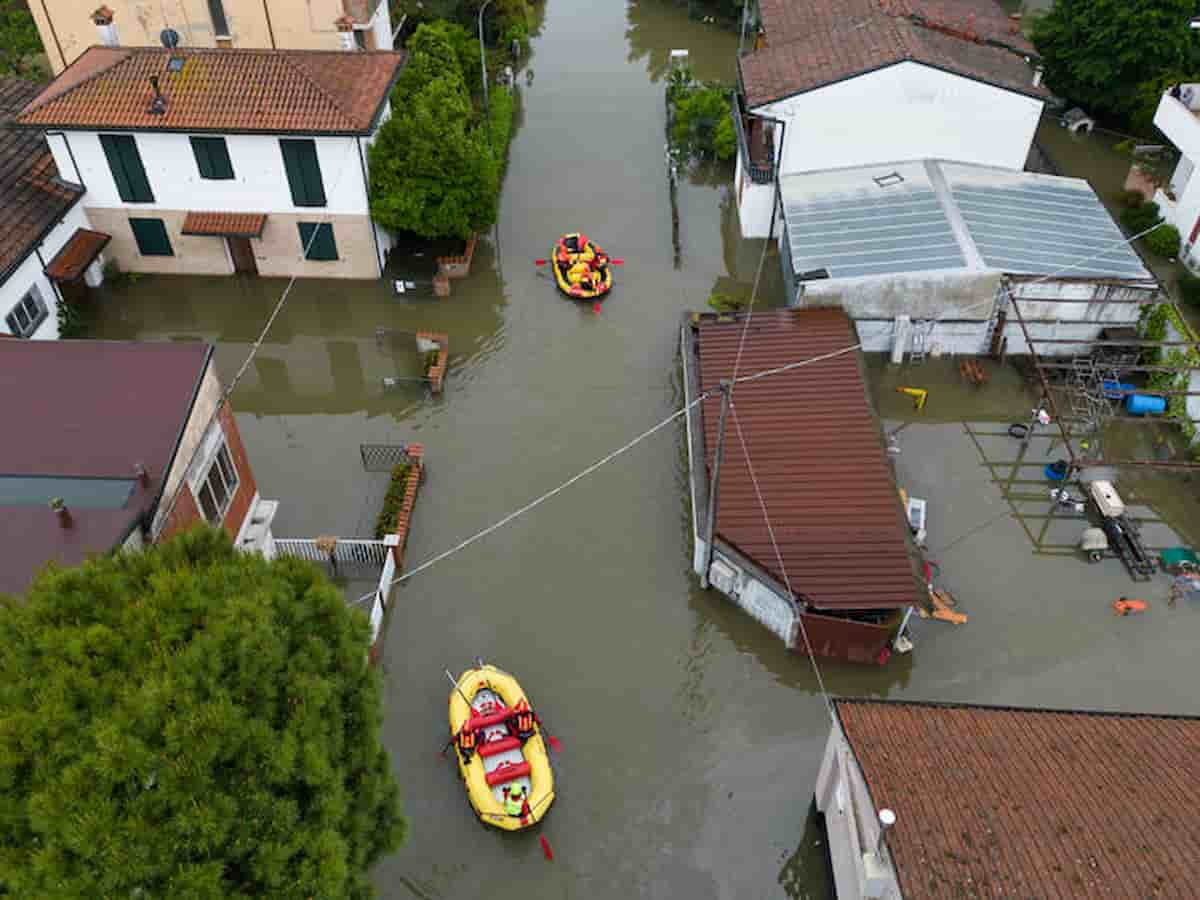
(761, 171)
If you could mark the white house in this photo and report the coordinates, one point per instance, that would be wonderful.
(215, 161)
(924, 256)
(1179, 203)
(834, 83)
(46, 245)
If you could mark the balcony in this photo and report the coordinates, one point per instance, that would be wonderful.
(756, 144)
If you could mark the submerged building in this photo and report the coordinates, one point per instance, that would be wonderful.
(833, 567)
(925, 800)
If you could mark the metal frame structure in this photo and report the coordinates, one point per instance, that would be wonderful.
(1087, 399)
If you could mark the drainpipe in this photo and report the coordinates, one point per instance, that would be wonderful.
(710, 517)
(362, 161)
(54, 34)
(270, 30)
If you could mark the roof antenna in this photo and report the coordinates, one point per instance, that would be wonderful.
(158, 105)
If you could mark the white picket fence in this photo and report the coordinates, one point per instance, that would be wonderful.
(352, 553)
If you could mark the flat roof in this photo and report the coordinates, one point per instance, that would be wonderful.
(818, 455)
(1004, 802)
(82, 415)
(939, 216)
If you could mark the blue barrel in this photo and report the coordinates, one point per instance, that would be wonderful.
(1144, 404)
(1115, 390)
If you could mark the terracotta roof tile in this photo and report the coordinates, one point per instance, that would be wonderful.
(221, 90)
(998, 802)
(32, 198)
(77, 254)
(817, 42)
(225, 224)
(819, 458)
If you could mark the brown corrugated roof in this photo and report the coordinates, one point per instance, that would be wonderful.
(995, 802)
(225, 224)
(77, 254)
(32, 199)
(87, 409)
(819, 42)
(819, 457)
(221, 90)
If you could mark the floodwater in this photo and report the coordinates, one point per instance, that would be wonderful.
(691, 738)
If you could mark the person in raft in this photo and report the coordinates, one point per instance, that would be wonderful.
(516, 801)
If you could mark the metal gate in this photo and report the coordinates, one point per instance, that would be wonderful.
(383, 457)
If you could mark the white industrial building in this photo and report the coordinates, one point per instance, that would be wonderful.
(922, 256)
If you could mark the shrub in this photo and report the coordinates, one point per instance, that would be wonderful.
(393, 500)
(700, 119)
(500, 119)
(1129, 199)
(1189, 288)
(1163, 241)
(1139, 218)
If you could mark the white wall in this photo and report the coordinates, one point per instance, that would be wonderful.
(903, 112)
(29, 274)
(754, 203)
(259, 183)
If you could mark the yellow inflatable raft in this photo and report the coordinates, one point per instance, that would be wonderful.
(501, 753)
(582, 270)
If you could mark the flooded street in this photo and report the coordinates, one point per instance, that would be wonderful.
(691, 738)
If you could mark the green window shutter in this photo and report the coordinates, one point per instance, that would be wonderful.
(151, 237)
(212, 157)
(321, 247)
(303, 171)
(127, 170)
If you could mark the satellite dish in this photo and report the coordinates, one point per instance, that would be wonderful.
(169, 38)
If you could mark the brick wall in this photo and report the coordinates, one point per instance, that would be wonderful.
(186, 511)
(247, 486)
(416, 455)
(437, 372)
(458, 266)
(194, 254)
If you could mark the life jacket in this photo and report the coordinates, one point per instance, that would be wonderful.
(523, 720)
(576, 273)
(513, 806)
(467, 741)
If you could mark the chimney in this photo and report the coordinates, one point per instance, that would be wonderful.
(139, 471)
(102, 18)
(1038, 74)
(345, 27)
(887, 819)
(158, 105)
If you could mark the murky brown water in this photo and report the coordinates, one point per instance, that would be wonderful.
(691, 738)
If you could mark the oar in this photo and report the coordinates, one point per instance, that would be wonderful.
(554, 743)
(539, 262)
(454, 681)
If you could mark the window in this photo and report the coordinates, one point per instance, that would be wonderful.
(212, 157)
(216, 10)
(27, 315)
(126, 167)
(218, 487)
(303, 172)
(151, 237)
(316, 240)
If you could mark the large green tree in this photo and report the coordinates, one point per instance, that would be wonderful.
(1102, 54)
(190, 721)
(431, 170)
(20, 44)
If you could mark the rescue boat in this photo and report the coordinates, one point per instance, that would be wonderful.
(582, 270)
(501, 752)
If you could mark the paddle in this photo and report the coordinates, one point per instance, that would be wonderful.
(539, 262)
(554, 743)
(546, 851)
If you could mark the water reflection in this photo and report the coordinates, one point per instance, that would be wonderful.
(807, 873)
(656, 27)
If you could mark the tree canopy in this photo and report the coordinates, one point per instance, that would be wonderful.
(20, 44)
(1110, 56)
(431, 170)
(190, 721)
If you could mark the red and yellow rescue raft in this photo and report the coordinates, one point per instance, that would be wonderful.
(502, 756)
(582, 270)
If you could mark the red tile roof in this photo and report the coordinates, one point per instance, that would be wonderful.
(219, 90)
(222, 224)
(819, 458)
(995, 802)
(87, 409)
(32, 198)
(817, 42)
(77, 254)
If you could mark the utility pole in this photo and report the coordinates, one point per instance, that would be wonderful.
(710, 520)
(487, 118)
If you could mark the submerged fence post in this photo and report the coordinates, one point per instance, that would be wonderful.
(710, 519)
